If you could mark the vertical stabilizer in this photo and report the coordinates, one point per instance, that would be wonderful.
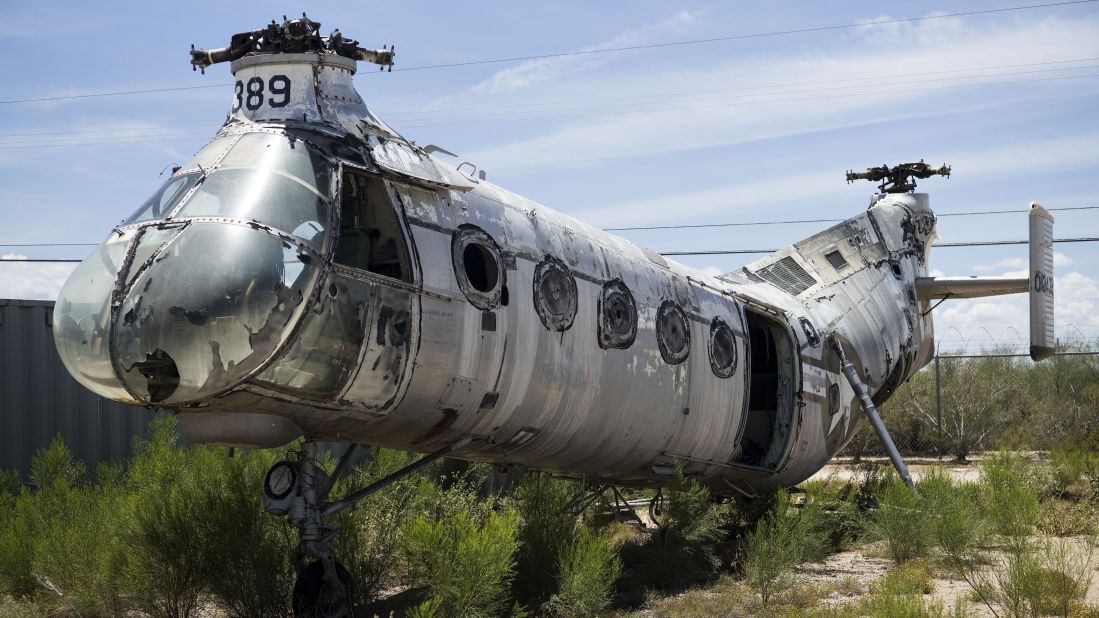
(1042, 341)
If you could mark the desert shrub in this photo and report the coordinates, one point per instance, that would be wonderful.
(870, 481)
(21, 521)
(912, 577)
(547, 528)
(370, 531)
(899, 522)
(689, 531)
(826, 520)
(953, 528)
(246, 564)
(1034, 579)
(167, 572)
(1067, 518)
(55, 465)
(771, 551)
(78, 553)
(1010, 499)
(10, 482)
(10, 607)
(786, 536)
(1072, 473)
(465, 565)
(896, 605)
(588, 567)
(59, 536)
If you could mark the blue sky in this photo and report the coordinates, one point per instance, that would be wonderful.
(753, 129)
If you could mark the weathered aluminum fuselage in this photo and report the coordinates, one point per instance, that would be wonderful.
(555, 345)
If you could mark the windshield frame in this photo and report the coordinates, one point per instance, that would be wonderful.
(209, 161)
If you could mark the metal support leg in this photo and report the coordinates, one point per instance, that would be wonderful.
(875, 420)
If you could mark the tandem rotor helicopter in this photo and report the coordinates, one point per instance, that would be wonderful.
(312, 274)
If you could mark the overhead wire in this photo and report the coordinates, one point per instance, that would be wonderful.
(136, 134)
(976, 243)
(588, 52)
(878, 82)
(736, 37)
(746, 223)
(796, 221)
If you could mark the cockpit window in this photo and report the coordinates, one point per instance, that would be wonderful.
(272, 180)
(164, 200)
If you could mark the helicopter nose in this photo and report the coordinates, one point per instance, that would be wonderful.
(208, 311)
(197, 312)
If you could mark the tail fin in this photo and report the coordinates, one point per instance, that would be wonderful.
(1042, 341)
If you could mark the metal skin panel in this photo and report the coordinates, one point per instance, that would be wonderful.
(529, 395)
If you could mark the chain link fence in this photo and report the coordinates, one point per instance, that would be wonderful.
(963, 403)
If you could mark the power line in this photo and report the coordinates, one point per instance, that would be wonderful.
(721, 252)
(589, 52)
(736, 37)
(568, 113)
(983, 243)
(793, 221)
(648, 110)
(113, 94)
(701, 225)
(877, 84)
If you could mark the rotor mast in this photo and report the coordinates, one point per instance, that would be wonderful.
(300, 35)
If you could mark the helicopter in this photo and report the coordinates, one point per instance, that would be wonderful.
(311, 274)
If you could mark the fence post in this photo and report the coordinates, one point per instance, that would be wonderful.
(938, 400)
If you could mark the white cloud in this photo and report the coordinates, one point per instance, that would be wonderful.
(712, 271)
(33, 280)
(1076, 308)
(532, 72)
(664, 127)
(1020, 263)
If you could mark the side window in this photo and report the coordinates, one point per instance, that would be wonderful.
(370, 238)
(617, 316)
(673, 333)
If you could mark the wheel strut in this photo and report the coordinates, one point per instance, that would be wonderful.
(298, 489)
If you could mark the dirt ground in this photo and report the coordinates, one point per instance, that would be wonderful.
(842, 468)
(866, 567)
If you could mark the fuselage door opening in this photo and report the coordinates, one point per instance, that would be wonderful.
(769, 422)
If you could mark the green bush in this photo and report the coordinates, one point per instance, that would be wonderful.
(79, 555)
(10, 483)
(548, 526)
(772, 550)
(170, 556)
(1009, 494)
(370, 531)
(466, 566)
(587, 569)
(899, 522)
(689, 531)
(955, 528)
(246, 562)
(11, 607)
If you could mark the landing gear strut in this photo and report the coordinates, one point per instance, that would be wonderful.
(298, 489)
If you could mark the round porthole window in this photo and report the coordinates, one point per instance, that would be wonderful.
(554, 294)
(617, 316)
(477, 266)
(673, 335)
(722, 349)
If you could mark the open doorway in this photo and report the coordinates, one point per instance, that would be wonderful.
(770, 412)
(371, 238)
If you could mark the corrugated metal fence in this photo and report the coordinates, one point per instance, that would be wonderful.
(39, 399)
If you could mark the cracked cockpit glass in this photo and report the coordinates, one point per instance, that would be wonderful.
(270, 179)
(211, 308)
